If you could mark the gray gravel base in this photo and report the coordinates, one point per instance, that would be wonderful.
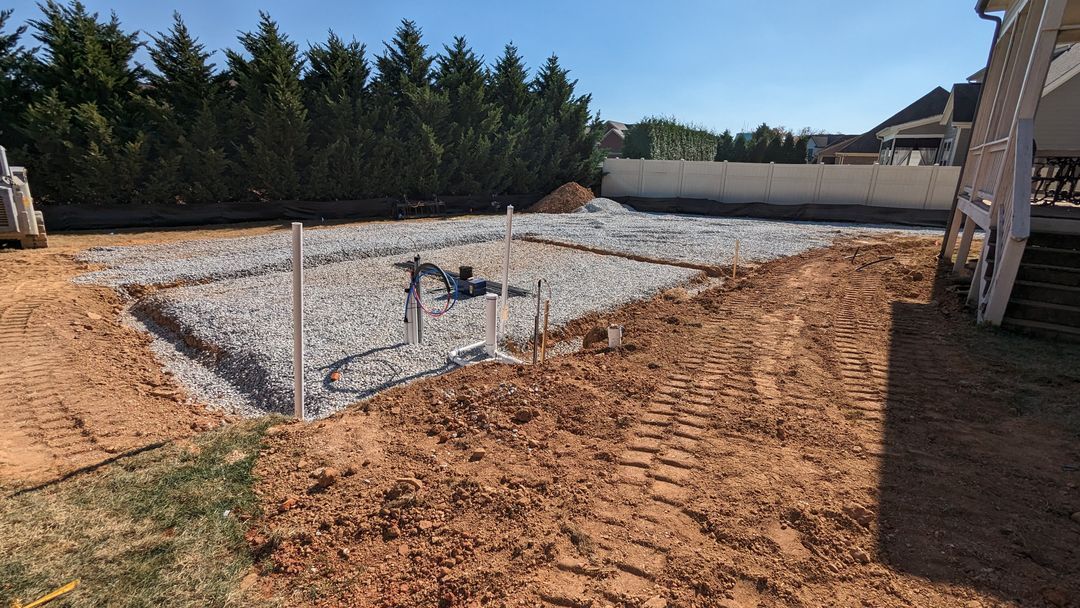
(354, 319)
(680, 238)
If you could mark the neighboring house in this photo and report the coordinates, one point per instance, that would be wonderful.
(614, 138)
(816, 143)
(905, 131)
(956, 119)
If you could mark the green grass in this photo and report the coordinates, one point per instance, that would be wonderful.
(147, 530)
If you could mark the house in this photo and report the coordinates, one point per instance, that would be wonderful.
(909, 131)
(956, 119)
(816, 143)
(1026, 275)
(614, 138)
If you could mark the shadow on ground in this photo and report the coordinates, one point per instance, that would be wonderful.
(981, 457)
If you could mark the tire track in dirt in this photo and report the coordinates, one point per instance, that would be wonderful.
(633, 549)
(31, 388)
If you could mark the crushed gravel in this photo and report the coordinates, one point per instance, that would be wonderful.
(681, 238)
(354, 319)
(234, 303)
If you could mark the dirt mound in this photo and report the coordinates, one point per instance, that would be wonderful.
(564, 199)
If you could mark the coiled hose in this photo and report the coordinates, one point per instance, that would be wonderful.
(431, 270)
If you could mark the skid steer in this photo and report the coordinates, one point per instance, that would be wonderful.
(18, 220)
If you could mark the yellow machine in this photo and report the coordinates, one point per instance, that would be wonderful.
(18, 220)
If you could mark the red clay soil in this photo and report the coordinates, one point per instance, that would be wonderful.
(564, 199)
(811, 435)
(77, 386)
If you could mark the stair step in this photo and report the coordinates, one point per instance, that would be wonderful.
(1049, 273)
(1045, 330)
(1057, 314)
(1052, 256)
(1046, 292)
(1054, 240)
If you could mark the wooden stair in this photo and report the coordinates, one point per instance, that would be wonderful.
(1046, 296)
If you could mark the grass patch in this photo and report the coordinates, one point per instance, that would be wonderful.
(149, 530)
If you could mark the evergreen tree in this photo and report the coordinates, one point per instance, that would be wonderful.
(82, 132)
(725, 146)
(184, 78)
(787, 149)
(472, 122)
(563, 136)
(774, 151)
(336, 89)
(758, 146)
(16, 89)
(509, 91)
(273, 115)
(410, 115)
(738, 150)
(189, 155)
(799, 155)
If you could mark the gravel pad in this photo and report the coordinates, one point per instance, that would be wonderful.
(354, 316)
(681, 238)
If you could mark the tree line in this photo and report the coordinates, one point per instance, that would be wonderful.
(668, 139)
(276, 122)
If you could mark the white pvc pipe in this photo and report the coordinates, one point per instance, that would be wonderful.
(504, 314)
(491, 339)
(298, 318)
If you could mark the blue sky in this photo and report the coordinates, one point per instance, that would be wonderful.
(835, 65)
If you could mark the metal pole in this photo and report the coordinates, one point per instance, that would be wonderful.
(298, 318)
(536, 325)
(505, 312)
(418, 317)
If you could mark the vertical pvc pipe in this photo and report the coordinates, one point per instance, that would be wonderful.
(298, 318)
(504, 314)
(536, 325)
(491, 341)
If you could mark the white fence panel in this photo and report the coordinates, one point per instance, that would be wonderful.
(702, 179)
(846, 184)
(661, 178)
(793, 184)
(874, 185)
(904, 187)
(746, 183)
(622, 176)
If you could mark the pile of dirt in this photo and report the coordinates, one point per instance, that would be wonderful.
(564, 199)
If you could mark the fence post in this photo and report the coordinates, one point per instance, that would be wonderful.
(723, 183)
(682, 174)
(768, 181)
(298, 318)
(641, 177)
(930, 186)
(817, 184)
(873, 184)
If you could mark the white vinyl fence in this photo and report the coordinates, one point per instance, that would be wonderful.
(871, 185)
